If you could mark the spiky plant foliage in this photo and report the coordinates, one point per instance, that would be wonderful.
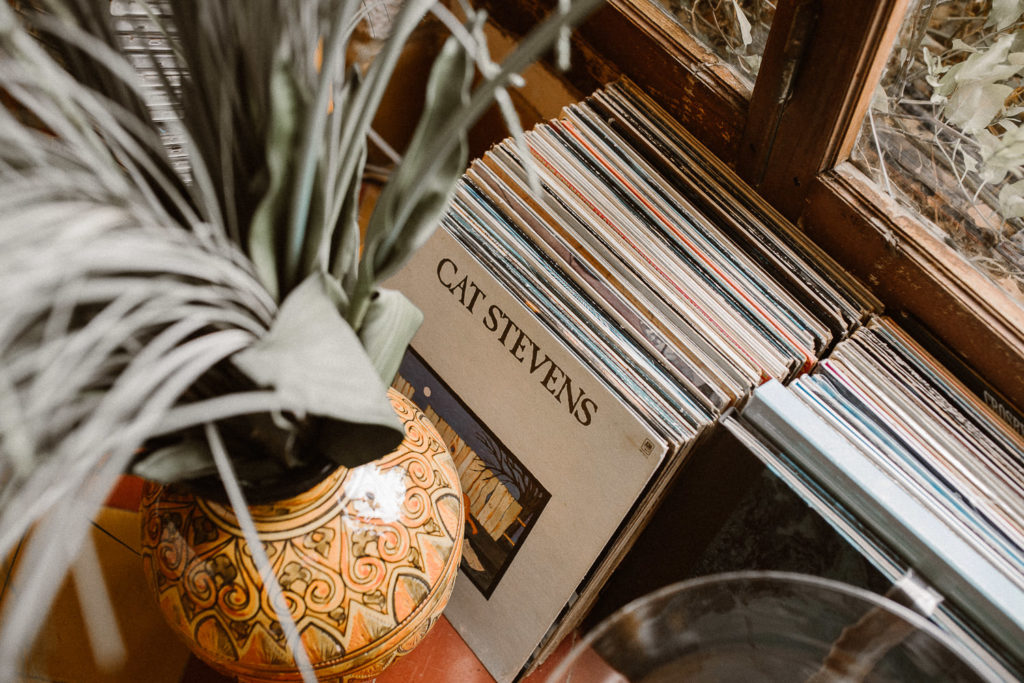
(218, 322)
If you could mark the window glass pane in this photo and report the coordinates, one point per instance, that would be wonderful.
(733, 30)
(945, 133)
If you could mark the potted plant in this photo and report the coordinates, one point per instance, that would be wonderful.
(214, 321)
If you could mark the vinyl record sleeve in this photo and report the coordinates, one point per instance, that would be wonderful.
(683, 290)
(903, 406)
(498, 360)
(716, 191)
(952, 566)
(673, 247)
(558, 223)
(949, 408)
(613, 364)
(703, 338)
(681, 216)
(929, 483)
(983, 414)
(556, 298)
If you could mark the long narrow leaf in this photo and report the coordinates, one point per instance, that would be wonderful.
(264, 240)
(312, 139)
(389, 240)
(368, 97)
(259, 556)
(533, 45)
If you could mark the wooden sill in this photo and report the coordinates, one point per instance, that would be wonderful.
(635, 39)
(914, 272)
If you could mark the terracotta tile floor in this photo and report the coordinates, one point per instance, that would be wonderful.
(441, 657)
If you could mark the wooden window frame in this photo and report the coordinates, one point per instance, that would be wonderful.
(791, 139)
(808, 178)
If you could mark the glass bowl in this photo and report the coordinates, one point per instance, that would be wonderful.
(766, 626)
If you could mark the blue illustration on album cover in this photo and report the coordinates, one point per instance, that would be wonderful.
(503, 500)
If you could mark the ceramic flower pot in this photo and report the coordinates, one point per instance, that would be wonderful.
(366, 559)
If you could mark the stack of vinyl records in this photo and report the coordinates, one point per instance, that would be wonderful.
(638, 219)
(916, 471)
(604, 290)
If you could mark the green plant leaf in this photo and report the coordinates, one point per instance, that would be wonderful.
(743, 22)
(974, 105)
(1001, 155)
(388, 241)
(310, 147)
(264, 238)
(1011, 200)
(313, 359)
(389, 325)
(362, 109)
(1004, 13)
(343, 245)
(188, 459)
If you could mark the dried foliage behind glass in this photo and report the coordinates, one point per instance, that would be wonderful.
(945, 132)
(734, 30)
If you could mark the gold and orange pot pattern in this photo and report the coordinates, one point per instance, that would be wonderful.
(366, 560)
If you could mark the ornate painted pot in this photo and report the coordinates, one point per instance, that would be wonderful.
(366, 559)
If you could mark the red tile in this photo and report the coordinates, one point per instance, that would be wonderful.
(587, 666)
(541, 673)
(126, 494)
(441, 657)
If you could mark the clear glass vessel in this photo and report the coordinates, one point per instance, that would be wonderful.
(766, 626)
